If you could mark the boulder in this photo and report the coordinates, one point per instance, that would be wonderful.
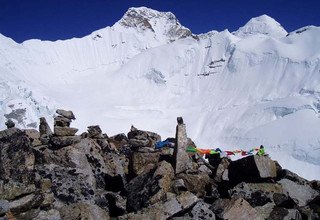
(44, 128)
(13, 189)
(34, 136)
(199, 211)
(251, 169)
(283, 200)
(162, 178)
(235, 209)
(137, 192)
(221, 168)
(178, 186)
(117, 204)
(139, 161)
(300, 193)
(31, 213)
(265, 210)
(115, 172)
(139, 141)
(118, 140)
(6, 135)
(10, 123)
(315, 184)
(134, 132)
(94, 131)
(83, 210)
(212, 194)
(310, 213)
(51, 214)
(182, 161)
(69, 185)
(108, 170)
(167, 209)
(61, 121)
(26, 203)
(279, 213)
(257, 194)
(106, 147)
(150, 186)
(196, 183)
(287, 174)
(4, 207)
(66, 114)
(65, 131)
(119, 137)
(59, 142)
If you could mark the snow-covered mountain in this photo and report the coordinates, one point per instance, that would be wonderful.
(257, 85)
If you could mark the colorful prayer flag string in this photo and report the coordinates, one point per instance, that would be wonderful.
(260, 151)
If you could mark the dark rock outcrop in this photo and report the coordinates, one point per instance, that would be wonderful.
(60, 175)
(251, 169)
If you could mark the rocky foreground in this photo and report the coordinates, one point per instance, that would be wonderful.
(60, 175)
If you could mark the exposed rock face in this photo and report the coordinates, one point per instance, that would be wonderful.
(63, 176)
(144, 19)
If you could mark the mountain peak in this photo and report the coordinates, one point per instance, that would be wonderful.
(263, 24)
(162, 24)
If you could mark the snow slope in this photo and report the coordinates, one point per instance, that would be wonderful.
(257, 85)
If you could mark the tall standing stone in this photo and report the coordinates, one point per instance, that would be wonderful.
(182, 161)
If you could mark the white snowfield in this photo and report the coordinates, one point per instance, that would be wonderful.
(258, 85)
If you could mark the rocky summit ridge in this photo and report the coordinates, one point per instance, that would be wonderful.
(60, 175)
(161, 24)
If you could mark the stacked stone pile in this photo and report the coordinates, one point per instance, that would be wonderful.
(60, 175)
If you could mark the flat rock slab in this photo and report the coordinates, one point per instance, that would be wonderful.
(257, 194)
(83, 211)
(62, 121)
(240, 209)
(302, 194)
(167, 209)
(64, 131)
(26, 203)
(66, 114)
(59, 142)
(200, 211)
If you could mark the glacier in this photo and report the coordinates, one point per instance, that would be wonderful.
(257, 85)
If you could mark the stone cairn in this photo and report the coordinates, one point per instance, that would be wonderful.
(60, 175)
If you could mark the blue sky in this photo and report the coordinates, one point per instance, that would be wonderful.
(63, 19)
